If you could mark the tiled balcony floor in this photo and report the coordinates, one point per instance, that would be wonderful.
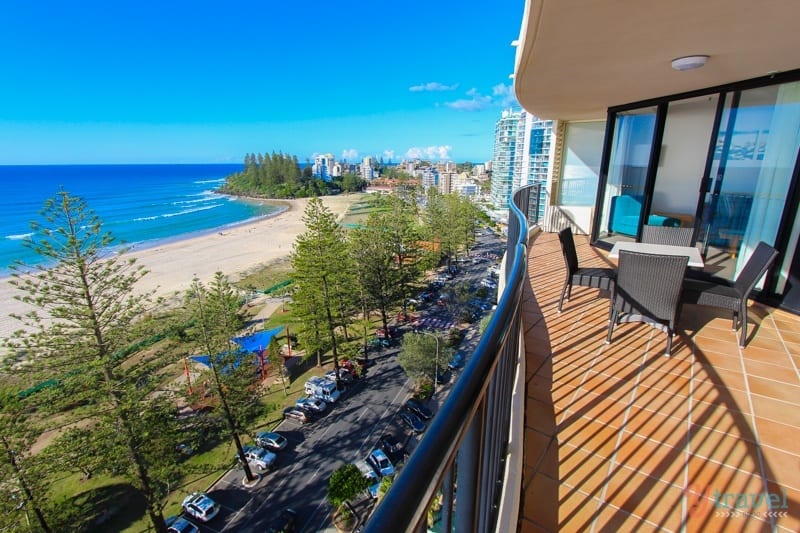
(621, 438)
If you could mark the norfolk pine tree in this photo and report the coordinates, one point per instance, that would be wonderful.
(322, 275)
(83, 309)
(216, 311)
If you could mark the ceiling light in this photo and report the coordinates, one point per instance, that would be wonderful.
(689, 62)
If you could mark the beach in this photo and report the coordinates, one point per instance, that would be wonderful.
(232, 250)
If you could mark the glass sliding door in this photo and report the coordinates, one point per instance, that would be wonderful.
(688, 128)
(756, 152)
(623, 198)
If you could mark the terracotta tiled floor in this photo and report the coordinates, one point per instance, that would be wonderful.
(621, 438)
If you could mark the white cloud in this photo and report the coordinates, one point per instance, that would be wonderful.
(388, 155)
(350, 155)
(504, 95)
(430, 152)
(433, 86)
(475, 102)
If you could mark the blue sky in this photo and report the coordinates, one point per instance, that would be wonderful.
(196, 81)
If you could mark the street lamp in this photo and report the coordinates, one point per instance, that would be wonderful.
(436, 370)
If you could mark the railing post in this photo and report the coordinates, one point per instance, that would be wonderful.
(447, 501)
(468, 464)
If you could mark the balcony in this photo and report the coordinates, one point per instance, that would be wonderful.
(550, 429)
(620, 438)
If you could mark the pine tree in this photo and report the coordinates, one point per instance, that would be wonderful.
(322, 276)
(215, 310)
(84, 307)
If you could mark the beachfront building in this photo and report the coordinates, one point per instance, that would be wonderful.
(325, 167)
(503, 158)
(429, 177)
(689, 111)
(522, 153)
(367, 172)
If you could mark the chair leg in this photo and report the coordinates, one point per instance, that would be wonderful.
(669, 341)
(563, 293)
(611, 324)
(743, 315)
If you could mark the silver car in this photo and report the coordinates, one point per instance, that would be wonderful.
(259, 457)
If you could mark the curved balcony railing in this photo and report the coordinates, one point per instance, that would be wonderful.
(463, 457)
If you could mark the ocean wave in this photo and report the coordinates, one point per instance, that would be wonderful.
(205, 198)
(19, 237)
(216, 180)
(179, 213)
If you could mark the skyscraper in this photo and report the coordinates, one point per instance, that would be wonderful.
(521, 155)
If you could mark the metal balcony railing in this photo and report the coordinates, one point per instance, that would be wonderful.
(462, 458)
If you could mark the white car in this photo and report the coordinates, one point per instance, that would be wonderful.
(381, 463)
(311, 404)
(200, 506)
(373, 478)
(259, 457)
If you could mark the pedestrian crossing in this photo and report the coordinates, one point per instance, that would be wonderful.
(438, 323)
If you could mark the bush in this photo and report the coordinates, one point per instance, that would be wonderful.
(425, 390)
(346, 483)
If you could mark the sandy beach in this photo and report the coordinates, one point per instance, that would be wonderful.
(233, 251)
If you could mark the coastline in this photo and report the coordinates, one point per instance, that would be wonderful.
(232, 249)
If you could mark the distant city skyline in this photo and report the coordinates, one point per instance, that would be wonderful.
(189, 82)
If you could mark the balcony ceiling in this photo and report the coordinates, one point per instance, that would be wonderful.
(576, 58)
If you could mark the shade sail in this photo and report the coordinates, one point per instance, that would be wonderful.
(258, 341)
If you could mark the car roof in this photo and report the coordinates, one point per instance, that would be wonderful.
(378, 454)
(200, 500)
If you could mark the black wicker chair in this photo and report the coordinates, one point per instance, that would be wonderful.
(648, 289)
(732, 296)
(600, 278)
(667, 235)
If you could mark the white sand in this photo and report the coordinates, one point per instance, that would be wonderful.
(234, 251)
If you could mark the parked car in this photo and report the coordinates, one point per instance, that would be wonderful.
(419, 409)
(390, 445)
(178, 524)
(457, 362)
(380, 462)
(311, 404)
(387, 333)
(200, 506)
(413, 421)
(284, 522)
(373, 478)
(344, 375)
(271, 440)
(379, 343)
(296, 414)
(259, 458)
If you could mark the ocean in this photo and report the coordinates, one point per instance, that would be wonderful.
(141, 205)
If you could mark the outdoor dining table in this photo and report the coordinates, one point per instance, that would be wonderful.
(695, 260)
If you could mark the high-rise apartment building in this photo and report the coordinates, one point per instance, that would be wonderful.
(323, 166)
(521, 155)
(367, 173)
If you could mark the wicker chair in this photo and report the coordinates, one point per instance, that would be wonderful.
(667, 235)
(600, 278)
(648, 289)
(732, 296)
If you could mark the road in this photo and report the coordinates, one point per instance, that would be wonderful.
(345, 433)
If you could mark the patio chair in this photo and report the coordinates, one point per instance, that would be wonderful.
(667, 235)
(648, 289)
(732, 296)
(600, 278)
